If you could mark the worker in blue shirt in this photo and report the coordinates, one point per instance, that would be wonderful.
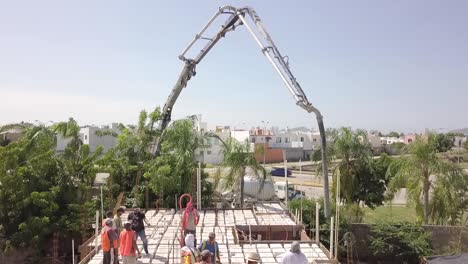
(212, 246)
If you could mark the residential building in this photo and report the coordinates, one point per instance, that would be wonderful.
(93, 136)
(10, 135)
(391, 140)
(409, 138)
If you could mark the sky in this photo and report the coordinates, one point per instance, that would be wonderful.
(384, 65)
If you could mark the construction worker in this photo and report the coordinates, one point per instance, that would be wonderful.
(110, 215)
(212, 246)
(128, 245)
(118, 226)
(295, 256)
(253, 258)
(138, 219)
(189, 254)
(190, 220)
(206, 257)
(109, 241)
(118, 223)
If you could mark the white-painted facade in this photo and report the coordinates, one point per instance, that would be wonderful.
(89, 136)
(391, 140)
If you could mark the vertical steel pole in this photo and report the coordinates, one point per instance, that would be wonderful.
(96, 232)
(331, 236)
(199, 187)
(73, 251)
(286, 180)
(317, 222)
(102, 204)
(300, 174)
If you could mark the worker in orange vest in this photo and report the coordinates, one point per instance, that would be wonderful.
(128, 246)
(109, 241)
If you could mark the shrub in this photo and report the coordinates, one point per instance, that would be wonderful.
(401, 243)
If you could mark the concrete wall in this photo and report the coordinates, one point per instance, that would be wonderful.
(93, 140)
(444, 239)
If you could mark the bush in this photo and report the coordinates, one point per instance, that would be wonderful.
(401, 243)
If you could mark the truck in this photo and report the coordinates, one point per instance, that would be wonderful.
(293, 193)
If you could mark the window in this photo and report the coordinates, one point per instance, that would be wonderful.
(315, 140)
(302, 139)
(208, 152)
(253, 140)
(286, 140)
(278, 140)
(85, 137)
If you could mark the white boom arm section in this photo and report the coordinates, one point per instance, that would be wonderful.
(237, 17)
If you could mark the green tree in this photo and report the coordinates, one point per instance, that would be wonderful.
(238, 157)
(126, 161)
(442, 142)
(393, 134)
(38, 195)
(362, 179)
(400, 243)
(173, 171)
(422, 169)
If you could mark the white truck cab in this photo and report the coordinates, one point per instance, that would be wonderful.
(280, 190)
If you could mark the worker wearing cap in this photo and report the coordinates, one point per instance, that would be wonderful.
(212, 246)
(109, 241)
(206, 256)
(253, 258)
(128, 246)
(295, 256)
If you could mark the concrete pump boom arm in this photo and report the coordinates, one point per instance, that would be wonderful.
(237, 17)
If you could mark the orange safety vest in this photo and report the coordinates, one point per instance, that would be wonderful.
(105, 241)
(126, 243)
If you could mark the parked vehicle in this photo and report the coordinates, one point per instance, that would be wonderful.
(280, 172)
(280, 190)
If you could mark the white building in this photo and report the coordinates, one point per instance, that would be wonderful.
(241, 135)
(308, 141)
(93, 136)
(212, 151)
(391, 140)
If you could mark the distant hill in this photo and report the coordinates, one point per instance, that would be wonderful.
(461, 130)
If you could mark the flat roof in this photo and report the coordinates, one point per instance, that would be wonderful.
(164, 234)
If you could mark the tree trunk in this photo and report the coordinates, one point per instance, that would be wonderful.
(426, 188)
(242, 191)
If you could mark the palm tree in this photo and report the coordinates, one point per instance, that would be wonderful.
(421, 169)
(237, 158)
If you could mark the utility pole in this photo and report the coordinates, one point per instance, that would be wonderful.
(286, 180)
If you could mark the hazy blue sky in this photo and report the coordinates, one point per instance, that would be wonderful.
(367, 64)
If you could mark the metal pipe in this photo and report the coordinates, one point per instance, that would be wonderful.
(73, 251)
(317, 222)
(286, 180)
(102, 204)
(331, 237)
(96, 232)
(265, 52)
